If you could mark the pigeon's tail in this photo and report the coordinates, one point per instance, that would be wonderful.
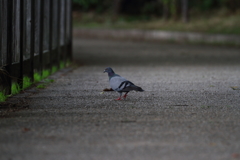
(127, 86)
(136, 88)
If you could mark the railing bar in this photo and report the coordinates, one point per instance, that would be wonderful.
(58, 32)
(1, 19)
(41, 28)
(9, 44)
(50, 30)
(12, 42)
(65, 57)
(21, 49)
(32, 41)
(70, 31)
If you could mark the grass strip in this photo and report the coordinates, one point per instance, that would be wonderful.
(15, 88)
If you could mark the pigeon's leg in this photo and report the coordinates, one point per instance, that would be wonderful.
(125, 95)
(119, 96)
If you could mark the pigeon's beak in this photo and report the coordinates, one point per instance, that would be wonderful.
(104, 71)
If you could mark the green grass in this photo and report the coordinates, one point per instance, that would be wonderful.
(54, 69)
(68, 63)
(15, 89)
(41, 86)
(37, 77)
(62, 65)
(26, 82)
(45, 83)
(50, 80)
(45, 74)
(3, 97)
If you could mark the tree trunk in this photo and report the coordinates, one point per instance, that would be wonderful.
(166, 10)
(185, 13)
(116, 7)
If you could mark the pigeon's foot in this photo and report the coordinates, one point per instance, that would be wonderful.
(118, 99)
(125, 95)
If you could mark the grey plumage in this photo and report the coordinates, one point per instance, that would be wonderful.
(120, 84)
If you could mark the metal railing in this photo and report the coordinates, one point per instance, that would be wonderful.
(34, 35)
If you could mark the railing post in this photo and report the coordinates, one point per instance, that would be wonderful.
(19, 35)
(9, 45)
(70, 32)
(58, 33)
(65, 57)
(41, 29)
(1, 19)
(50, 30)
(32, 41)
(21, 25)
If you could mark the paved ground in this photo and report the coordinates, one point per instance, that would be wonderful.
(188, 110)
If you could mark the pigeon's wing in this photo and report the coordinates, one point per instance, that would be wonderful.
(120, 84)
(115, 82)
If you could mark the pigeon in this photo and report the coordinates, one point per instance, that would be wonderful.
(120, 84)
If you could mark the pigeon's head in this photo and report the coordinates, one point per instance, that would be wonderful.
(109, 70)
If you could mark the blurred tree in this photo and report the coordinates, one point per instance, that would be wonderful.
(185, 13)
(232, 5)
(133, 7)
(99, 6)
(145, 9)
(116, 7)
(85, 4)
(173, 8)
(170, 8)
(165, 8)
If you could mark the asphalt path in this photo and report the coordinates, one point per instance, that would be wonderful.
(190, 108)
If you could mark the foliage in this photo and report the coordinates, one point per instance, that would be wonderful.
(86, 4)
(173, 7)
(45, 74)
(26, 82)
(155, 7)
(62, 65)
(206, 5)
(217, 23)
(41, 86)
(15, 88)
(3, 97)
(96, 5)
(54, 69)
(45, 83)
(37, 77)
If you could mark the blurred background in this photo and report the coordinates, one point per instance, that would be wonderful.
(204, 16)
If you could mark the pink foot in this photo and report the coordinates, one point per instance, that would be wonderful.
(125, 96)
(118, 99)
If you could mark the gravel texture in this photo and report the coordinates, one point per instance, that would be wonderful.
(190, 108)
